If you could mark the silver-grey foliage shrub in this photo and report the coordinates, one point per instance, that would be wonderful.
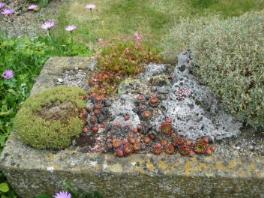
(229, 55)
(179, 37)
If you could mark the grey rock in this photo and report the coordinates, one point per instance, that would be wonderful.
(198, 113)
(151, 70)
(163, 90)
(125, 104)
(134, 86)
(77, 78)
(58, 67)
(107, 103)
(60, 81)
(160, 80)
(89, 104)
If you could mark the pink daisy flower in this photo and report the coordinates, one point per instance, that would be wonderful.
(48, 25)
(8, 12)
(62, 194)
(70, 28)
(90, 7)
(2, 5)
(33, 7)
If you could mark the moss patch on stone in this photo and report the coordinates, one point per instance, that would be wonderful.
(50, 120)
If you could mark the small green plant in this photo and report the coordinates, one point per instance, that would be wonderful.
(50, 120)
(5, 190)
(118, 60)
(126, 57)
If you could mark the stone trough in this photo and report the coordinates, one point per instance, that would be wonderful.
(31, 172)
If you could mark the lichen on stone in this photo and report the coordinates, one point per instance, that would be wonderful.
(194, 110)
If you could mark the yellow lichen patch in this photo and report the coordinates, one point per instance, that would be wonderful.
(188, 167)
(193, 166)
(163, 166)
(137, 165)
(116, 168)
(150, 166)
(232, 164)
(202, 167)
(50, 156)
(219, 165)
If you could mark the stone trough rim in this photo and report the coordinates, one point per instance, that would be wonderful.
(149, 164)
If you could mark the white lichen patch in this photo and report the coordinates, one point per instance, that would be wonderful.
(124, 106)
(93, 163)
(194, 110)
(50, 169)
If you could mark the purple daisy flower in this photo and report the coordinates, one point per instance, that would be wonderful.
(33, 7)
(2, 5)
(70, 28)
(48, 25)
(8, 12)
(62, 194)
(8, 74)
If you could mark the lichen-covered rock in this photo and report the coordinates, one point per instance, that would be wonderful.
(50, 120)
(194, 110)
(159, 80)
(125, 105)
(130, 85)
(74, 78)
(153, 69)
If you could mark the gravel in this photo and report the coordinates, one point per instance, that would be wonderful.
(26, 22)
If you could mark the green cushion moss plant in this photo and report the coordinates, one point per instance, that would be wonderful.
(50, 120)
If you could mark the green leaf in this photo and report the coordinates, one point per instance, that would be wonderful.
(4, 187)
(43, 196)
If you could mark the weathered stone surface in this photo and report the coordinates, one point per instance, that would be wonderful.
(224, 174)
(57, 68)
(32, 172)
(194, 110)
(125, 105)
(134, 86)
